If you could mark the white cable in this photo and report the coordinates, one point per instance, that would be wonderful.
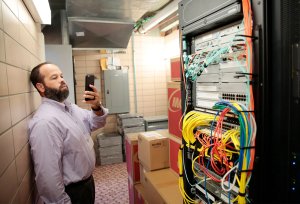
(224, 177)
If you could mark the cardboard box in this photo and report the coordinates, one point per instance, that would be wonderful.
(162, 187)
(153, 150)
(174, 108)
(175, 69)
(132, 160)
(151, 194)
(174, 148)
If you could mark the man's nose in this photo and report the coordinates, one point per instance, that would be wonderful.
(62, 80)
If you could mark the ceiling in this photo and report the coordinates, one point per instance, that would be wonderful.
(100, 23)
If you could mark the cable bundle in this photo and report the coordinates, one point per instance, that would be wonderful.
(227, 153)
(244, 166)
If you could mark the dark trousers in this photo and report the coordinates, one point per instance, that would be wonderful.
(82, 192)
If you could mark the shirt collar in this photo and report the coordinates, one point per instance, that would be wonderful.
(64, 106)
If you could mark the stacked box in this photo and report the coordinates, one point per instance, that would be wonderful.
(153, 150)
(174, 108)
(175, 69)
(161, 187)
(132, 159)
(129, 123)
(139, 191)
(136, 192)
(153, 123)
(174, 148)
(110, 148)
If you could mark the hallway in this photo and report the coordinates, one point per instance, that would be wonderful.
(111, 182)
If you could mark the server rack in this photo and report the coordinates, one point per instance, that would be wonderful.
(275, 83)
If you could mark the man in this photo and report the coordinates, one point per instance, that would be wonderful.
(59, 136)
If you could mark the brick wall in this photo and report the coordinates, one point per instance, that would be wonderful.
(21, 48)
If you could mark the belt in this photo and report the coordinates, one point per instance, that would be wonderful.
(80, 182)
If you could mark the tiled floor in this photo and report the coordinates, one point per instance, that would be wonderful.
(111, 184)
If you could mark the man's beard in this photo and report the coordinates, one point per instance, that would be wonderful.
(57, 94)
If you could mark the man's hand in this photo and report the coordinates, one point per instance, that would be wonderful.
(94, 99)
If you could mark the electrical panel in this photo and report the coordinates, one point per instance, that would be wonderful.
(116, 90)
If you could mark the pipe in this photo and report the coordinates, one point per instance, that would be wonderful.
(134, 74)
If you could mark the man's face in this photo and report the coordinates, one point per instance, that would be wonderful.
(54, 85)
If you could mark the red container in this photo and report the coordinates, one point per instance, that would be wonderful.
(130, 190)
(174, 148)
(174, 108)
(175, 69)
(132, 160)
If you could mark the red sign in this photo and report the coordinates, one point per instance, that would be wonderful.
(174, 110)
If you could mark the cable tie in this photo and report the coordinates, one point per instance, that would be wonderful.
(247, 36)
(249, 147)
(246, 170)
(246, 73)
(248, 111)
(242, 194)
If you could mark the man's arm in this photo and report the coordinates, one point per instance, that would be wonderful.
(97, 118)
(46, 148)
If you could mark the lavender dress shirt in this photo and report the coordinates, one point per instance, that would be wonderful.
(61, 147)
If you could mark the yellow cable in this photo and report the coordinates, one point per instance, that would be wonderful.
(185, 196)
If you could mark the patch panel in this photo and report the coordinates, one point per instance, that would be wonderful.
(208, 189)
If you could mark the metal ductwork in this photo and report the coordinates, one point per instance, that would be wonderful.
(99, 33)
(94, 24)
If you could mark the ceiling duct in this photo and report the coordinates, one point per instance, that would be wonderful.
(99, 24)
(99, 33)
(94, 24)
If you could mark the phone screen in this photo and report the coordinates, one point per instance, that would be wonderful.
(89, 79)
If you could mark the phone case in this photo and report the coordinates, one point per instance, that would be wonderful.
(89, 79)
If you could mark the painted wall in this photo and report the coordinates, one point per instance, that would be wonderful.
(61, 55)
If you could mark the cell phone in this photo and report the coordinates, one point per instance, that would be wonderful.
(89, 79)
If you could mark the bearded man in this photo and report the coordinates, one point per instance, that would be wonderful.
(59, 135)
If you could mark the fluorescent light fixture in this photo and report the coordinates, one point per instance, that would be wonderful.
(171, 25)
(160, 16)
(40, 10)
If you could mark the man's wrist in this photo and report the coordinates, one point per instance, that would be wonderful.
(97, 108)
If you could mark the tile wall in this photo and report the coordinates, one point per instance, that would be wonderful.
(151, 56)
(21, 48)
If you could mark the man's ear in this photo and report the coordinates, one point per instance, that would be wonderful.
(40, 87)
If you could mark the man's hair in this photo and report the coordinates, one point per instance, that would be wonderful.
(35, 76)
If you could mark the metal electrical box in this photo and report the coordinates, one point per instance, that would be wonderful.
(116, 91)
